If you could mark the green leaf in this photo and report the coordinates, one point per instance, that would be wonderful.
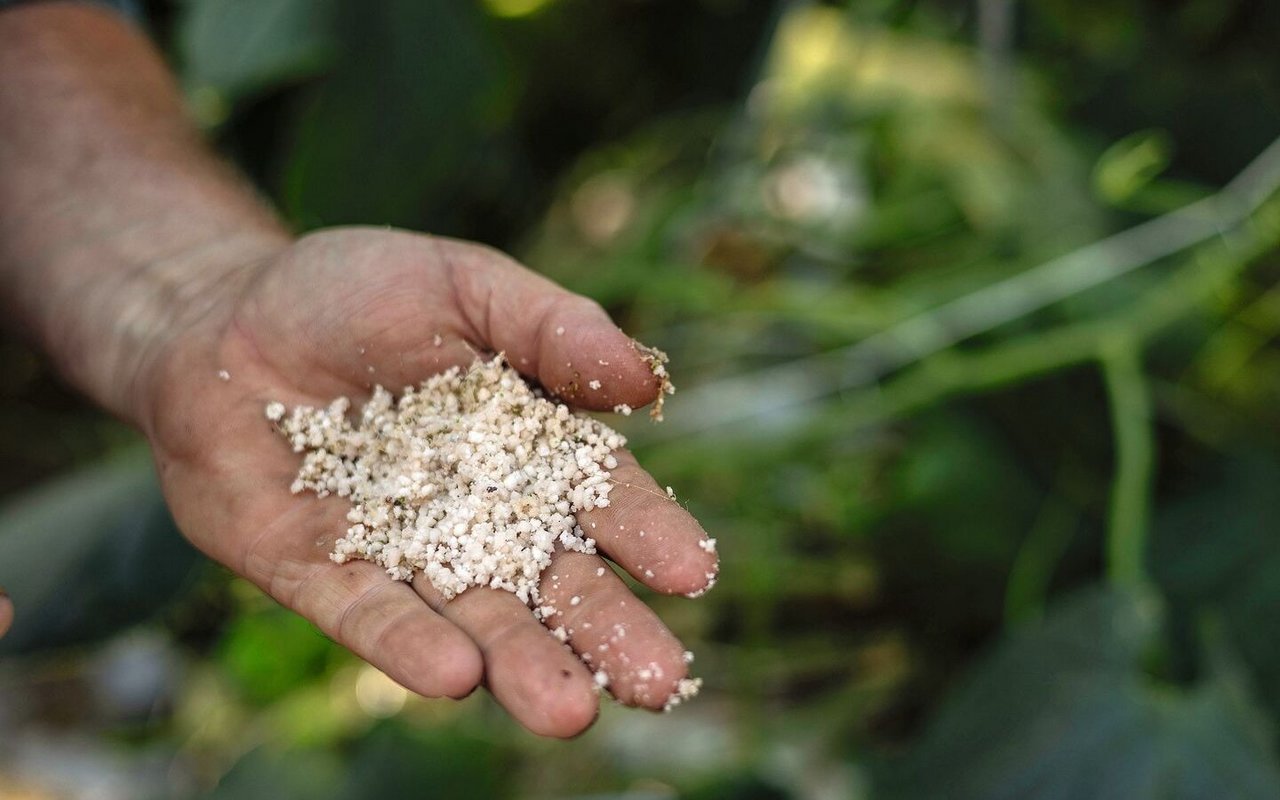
(1218, 550)
(234, 47)
(951, 476)
(451, 763)
(1064, 711)
(271, 653)
(391, 760)
(265, 774)
(88, 554)
(734, 787)
(399, 130)
(1131, 164)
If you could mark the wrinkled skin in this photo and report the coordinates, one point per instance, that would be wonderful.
(6, 613)
(339, 311)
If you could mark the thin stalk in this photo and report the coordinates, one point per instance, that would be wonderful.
(1128, 519)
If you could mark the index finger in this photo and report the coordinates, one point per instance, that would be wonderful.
(564, 340)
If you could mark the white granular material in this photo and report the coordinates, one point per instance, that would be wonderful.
(472, 478)
(686, 689)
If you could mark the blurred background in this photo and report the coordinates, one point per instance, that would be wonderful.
(973, 307)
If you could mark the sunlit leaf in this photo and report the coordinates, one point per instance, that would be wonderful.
(273, 652)
(1130, 164)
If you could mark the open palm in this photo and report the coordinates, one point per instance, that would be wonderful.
(340, 311)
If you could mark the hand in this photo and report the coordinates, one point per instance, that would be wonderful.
(341, 310)
(6, 613)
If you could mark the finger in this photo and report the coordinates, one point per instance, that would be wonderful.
(564, 340)
(536, 678)
(650, 535)
(641, 662)
(387, 624)
(6, 612)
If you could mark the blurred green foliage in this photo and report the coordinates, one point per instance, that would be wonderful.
(995, 493)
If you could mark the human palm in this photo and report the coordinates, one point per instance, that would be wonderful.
(340, 311)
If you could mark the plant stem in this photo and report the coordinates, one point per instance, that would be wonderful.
(1128, 520)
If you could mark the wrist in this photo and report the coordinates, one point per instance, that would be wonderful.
(117, 224)
(118, 347)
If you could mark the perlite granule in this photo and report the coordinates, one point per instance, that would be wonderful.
(471, 479)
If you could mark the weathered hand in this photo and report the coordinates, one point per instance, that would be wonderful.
(339, 311)
(6, 613)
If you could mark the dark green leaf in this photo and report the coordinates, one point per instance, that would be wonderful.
(446, 763)
(89, 554)
(237, 46)
(736, 787)
(1064, 711)
(404, 122)
(1218, 550)
(264, 774)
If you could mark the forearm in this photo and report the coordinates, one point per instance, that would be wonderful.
(115, 219)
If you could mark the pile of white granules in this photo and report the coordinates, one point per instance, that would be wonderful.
(471, 479)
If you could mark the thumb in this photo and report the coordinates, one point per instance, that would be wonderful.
(564, 340)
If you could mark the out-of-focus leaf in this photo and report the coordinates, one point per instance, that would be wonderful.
(1130, 164)
(1218, 550)
(447, 764)
(234, 47)
(736, 787)
(406, 119)
(264, 774)
(1064, 711)
(89, 554)
(391, 760)
(952, 477)
(274, 652)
